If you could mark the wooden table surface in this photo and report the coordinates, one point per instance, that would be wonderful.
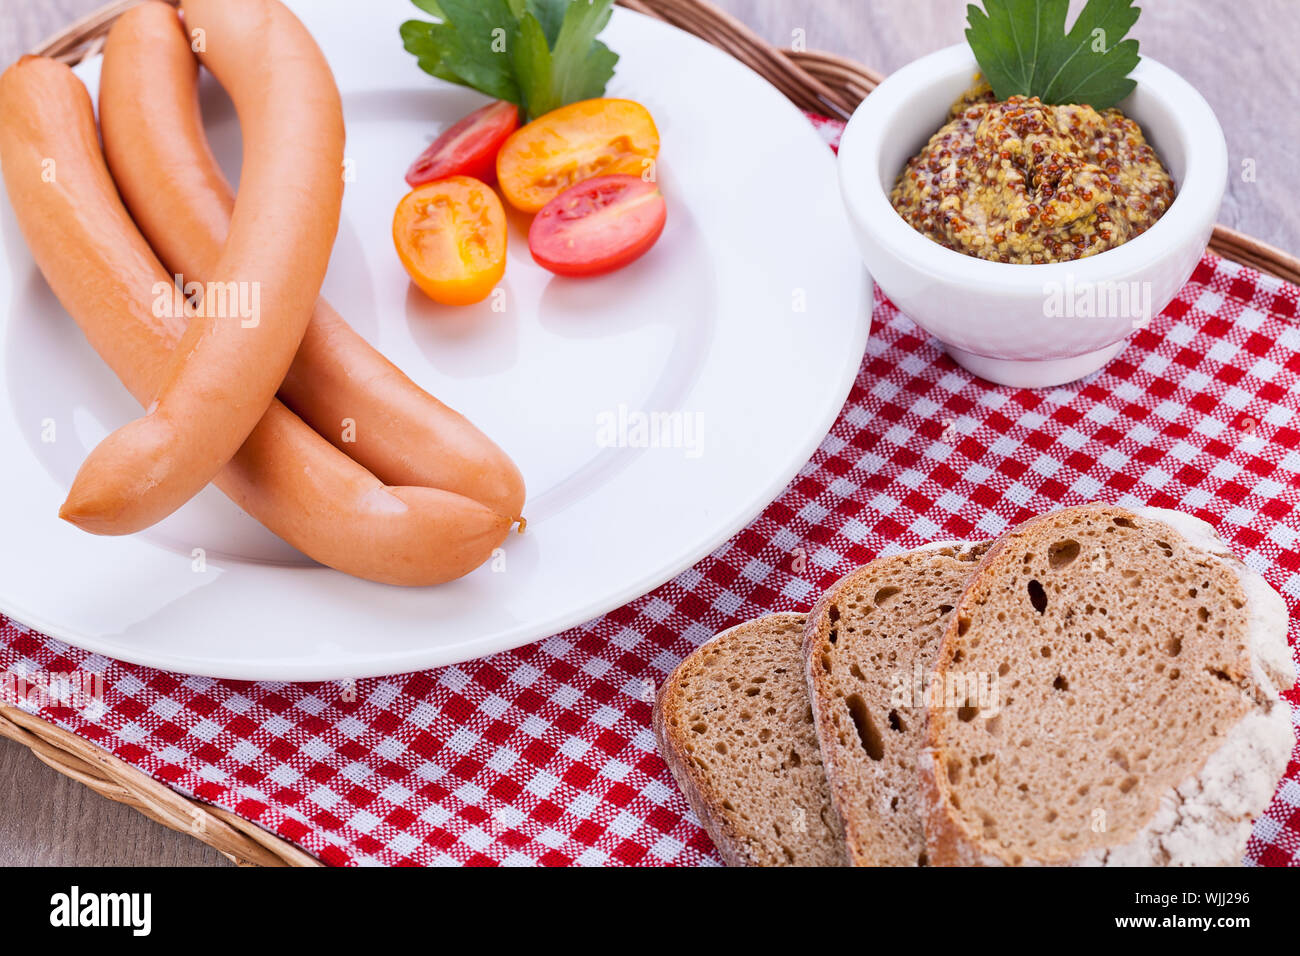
(1239, 55)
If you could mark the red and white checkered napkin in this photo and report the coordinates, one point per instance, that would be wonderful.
(545, 754)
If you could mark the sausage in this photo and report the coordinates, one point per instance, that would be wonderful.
(232, 358)
(159, 156)
(99, 266)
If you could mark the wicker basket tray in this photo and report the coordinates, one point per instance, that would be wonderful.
(818, 82)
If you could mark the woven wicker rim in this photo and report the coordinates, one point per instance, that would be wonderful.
(819, 82)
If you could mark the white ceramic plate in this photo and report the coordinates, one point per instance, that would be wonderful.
(749, 318)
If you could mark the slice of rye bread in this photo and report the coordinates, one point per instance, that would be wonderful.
(734, 726)
(868, 646)
(1136, 718)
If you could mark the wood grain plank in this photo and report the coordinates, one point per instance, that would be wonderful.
(47, 819)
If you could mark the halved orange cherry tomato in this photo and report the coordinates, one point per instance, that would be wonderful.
(468, 148)
(451, 237)
(597, 226)
(565, 146)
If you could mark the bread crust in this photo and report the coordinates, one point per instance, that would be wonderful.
(814, 645)
(1206, 819)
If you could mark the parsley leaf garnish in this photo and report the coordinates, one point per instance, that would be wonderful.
(1023, 49)
(539, 54)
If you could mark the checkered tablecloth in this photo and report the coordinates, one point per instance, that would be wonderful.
(545, 754)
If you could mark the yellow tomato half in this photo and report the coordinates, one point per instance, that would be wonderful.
(451, 238)
(558, 149)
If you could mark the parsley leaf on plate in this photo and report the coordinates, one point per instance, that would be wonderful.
(549, 14)
(532, 59)
(539, 54)
(1023, 49)
(582, 64)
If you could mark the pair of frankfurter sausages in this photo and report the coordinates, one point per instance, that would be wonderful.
(230, 362)
(159, 156)
(199, 371)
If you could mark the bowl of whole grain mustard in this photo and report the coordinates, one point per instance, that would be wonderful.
(1030, 238)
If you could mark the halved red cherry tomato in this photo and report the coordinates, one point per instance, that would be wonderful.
(597, 226)
(469, 148)
(565, 146)
(451, 237)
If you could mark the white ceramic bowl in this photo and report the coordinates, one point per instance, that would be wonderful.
(1029, 325)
